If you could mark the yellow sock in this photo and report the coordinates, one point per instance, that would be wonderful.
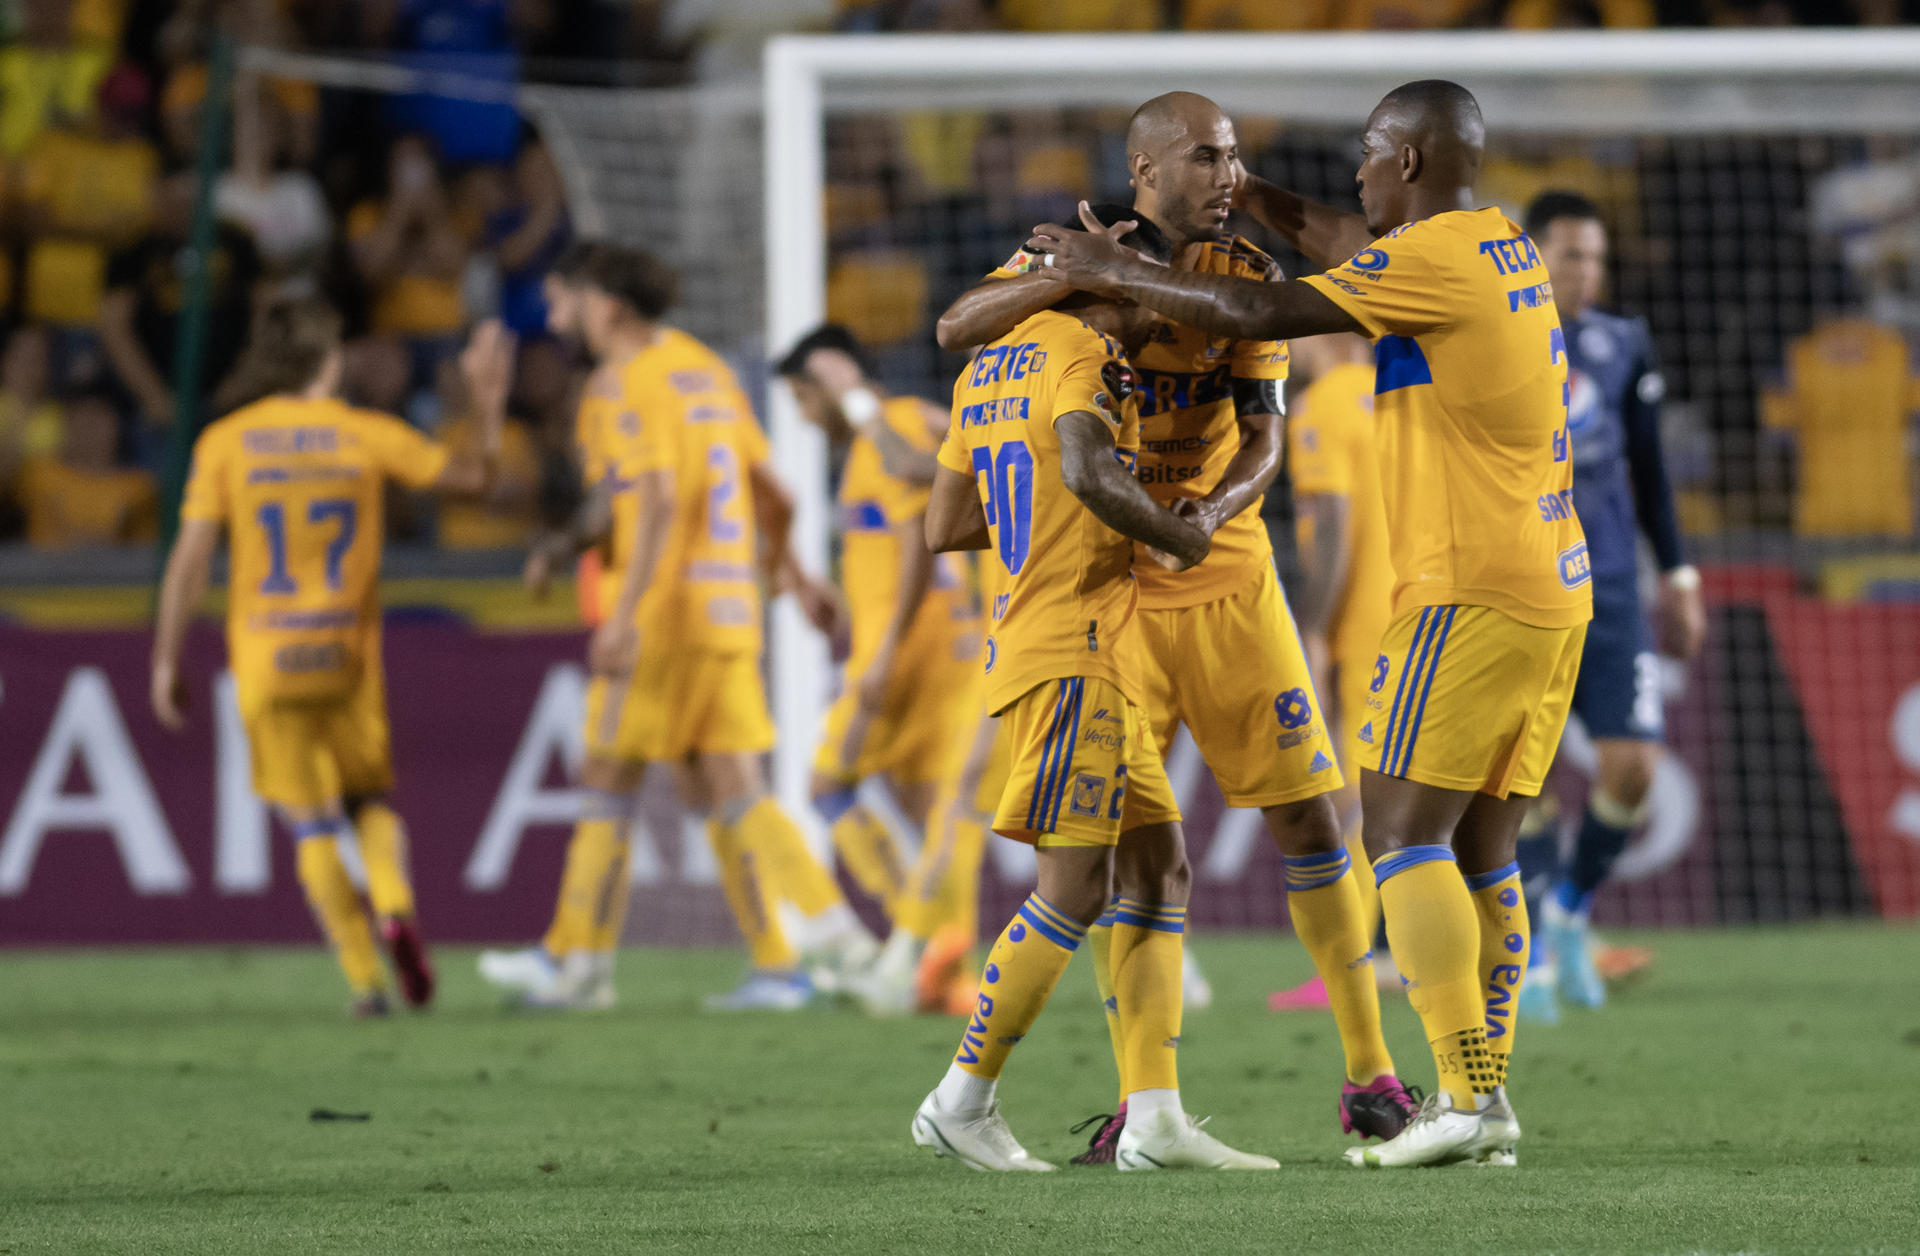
(383, 849)
(1022, 969)
(749, 900)
(610, 897)
(868, 848)
(336, 905)
(592, 849)
(1436, 942)
(1100, 951)
(780, 850)
(1363, 884)
(1505, 938)
(1147, 943)
(1324, 900)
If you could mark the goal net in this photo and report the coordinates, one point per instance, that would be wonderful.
(1759, 188)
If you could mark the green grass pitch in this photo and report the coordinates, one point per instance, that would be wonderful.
(1756, 1094)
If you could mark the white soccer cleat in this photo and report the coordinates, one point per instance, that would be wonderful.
(764, 991)
(1438, 1134)
(528, 969)
(1196, 992)
(1176, 1141)
(982, 1143)
(1501, 1130)
(839, 959)
(883, 990)
(584, 983)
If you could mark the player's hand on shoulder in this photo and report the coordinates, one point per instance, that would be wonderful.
(1087, 259)
(169, 696)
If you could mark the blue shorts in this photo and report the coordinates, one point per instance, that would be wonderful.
(1618, 693)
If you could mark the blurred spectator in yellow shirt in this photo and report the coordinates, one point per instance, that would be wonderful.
(85, 189)
(411, 253)
(47, 75)
(81, 498)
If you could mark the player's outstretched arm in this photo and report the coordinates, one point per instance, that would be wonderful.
(1092, 474)
(1327, 236)
(992, 308)
(955, 519)
(1246, 309)
(486, 367)
(181, 591)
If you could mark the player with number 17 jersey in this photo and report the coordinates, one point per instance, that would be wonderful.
(1493, 590)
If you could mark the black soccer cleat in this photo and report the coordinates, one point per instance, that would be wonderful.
(1380, 1109)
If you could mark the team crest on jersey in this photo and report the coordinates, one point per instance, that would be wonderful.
(1088, 790)
(1119, 379)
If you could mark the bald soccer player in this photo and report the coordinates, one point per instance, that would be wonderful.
(1224, 656)
(1475, 672)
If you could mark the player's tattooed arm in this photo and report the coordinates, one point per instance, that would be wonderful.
(1327, 236)
(1261, 415)
(992, 308)
(486, 369)
(1095, 261)
(591, 524)
(1093, 474)
(182, 589)
(955, 519)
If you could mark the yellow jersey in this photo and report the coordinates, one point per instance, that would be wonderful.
(871, 504)
(1849, 397)
(301, 486)
(602, 405)
(1190, 430)
(1066, 601)
(1330, 447)
(685, 413)
(1470, 406)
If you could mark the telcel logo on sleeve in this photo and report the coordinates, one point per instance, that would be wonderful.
(1575, 570)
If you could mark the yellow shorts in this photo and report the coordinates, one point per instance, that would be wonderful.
(1084, 766)
(1465, 697)
(667, 709)
(1233, 671)
(312, 756)
(923, 732)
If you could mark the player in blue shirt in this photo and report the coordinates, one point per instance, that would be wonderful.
(1620, 491)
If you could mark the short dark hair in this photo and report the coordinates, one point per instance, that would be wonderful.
(632, 276)
(826, 336)
(1558, 203)
(573, 260)
(1147, 238)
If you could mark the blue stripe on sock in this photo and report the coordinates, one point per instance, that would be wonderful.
(1106, 917)
(1310, 872)
(1049, 931)
(1177, 925)
(1034, 808)
(1426, 687)
(1396, 862)
(315, 828)
(1482, 880)
(1053, 914)
(1072, 734)
(1402, 691)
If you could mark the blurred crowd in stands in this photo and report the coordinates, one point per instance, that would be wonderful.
(419, 214)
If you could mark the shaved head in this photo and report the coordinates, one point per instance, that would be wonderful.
(1439, 118)
(1420, 154)
(1168, 120)
(1184, 160)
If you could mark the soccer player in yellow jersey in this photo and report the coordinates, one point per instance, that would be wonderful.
(1222, 654)
(1345, 587)
(1475, 674)
(1035, 469)
(676, 661)
(298, 480)
(911, 698)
